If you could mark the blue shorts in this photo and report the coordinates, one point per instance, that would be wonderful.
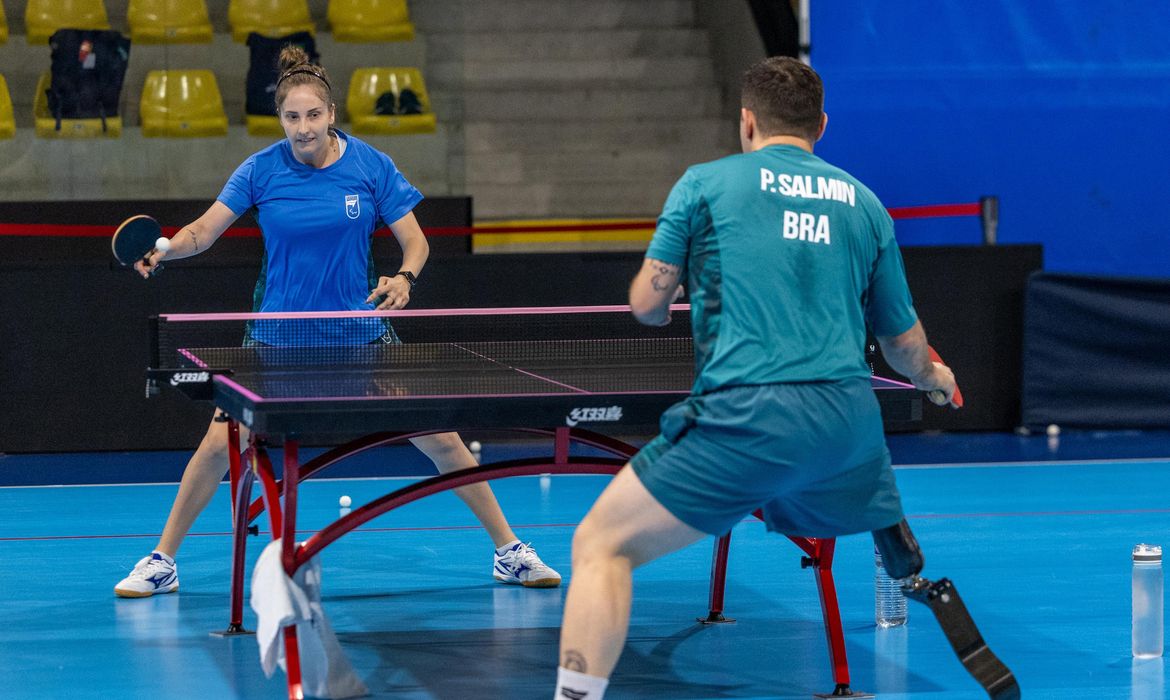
(387, 338)
(812, 455)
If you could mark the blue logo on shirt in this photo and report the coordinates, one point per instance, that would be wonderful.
(351, 206)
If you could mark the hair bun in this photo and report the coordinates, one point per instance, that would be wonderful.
(292, 56)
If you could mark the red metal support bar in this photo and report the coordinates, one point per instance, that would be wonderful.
(292, 656)
(445, 482)
(233, 429)
(243, 492)
(561, 446)
(822, 565)
(291, 480)
(262, 467)
(718, 581)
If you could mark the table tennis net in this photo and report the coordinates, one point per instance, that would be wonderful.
(441, 338)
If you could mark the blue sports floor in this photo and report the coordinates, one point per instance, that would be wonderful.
(1036, 537)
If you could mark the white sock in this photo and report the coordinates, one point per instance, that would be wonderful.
(502, 550)
(166, 558)
(572, 685)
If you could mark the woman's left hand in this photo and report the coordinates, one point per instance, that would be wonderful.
(396, 291)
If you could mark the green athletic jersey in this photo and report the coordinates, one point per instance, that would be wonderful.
(787, 260)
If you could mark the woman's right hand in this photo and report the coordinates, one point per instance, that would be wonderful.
(147, 267)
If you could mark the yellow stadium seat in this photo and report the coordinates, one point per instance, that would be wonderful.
(367, 85)
(44, 17)
(45, 124)
(3, 26)
(182, 103)
(261, 125)
(169, 22)
(370, 20)
(268, 17)
(7, 120)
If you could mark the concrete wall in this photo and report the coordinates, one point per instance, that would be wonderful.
(735, 45)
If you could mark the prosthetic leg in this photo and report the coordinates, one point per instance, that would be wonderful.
(903, 561)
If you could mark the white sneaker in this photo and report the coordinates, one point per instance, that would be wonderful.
(152, 574)
(520, 564)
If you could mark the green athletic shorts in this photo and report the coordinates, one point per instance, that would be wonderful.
(812, 455)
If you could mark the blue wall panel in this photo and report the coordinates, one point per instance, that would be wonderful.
(1062, 109)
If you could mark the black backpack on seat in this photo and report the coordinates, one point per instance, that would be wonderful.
(87, 69)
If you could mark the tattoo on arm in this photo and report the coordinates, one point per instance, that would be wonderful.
(575, 661)
(665, 276)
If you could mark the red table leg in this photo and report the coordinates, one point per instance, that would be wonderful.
(290, 480)
(293, 660)
(241, 497)
(718, 581)
(827, 590)
(283, 525)
(233, 458)
(288, 546)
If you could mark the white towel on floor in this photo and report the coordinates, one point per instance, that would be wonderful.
(279, 601)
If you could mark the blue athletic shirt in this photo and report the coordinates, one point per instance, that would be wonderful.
(317, 225)
(786, 259)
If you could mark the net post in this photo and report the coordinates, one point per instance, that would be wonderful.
(989, 217)
(154, 361)
(154, 351)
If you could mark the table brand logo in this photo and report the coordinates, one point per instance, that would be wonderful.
(190, 378)
(601, 414)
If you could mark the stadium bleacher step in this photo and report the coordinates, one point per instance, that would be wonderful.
(670, 71)
(629, 165)
(613, 44)
(439, 16)
(534, 106)
(572, 108)
(592, 135)
(579, 200)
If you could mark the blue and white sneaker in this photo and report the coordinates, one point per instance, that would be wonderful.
(520, 564)
(156, 573)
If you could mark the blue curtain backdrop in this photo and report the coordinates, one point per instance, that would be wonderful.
(1060, 108)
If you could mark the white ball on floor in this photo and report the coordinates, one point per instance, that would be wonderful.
(1053, 430)
(344, 501)
(474, 446)
(162, 244)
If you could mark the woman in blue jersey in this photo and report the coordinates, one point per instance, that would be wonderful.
(318, 196)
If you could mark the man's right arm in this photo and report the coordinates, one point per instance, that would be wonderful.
(653, 290)
(908, 354)
(659, 283)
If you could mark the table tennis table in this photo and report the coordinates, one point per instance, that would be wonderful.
(594, 392)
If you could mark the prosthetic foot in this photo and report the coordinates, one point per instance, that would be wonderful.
(903, 560)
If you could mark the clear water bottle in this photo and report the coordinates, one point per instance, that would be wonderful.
(1147, 601)
(889, 603)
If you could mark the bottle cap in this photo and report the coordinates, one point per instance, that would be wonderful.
(1147, 552)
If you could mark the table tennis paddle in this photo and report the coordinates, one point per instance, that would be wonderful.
(135, 240)
(936, 395)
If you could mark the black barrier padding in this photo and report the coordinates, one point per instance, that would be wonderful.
(75, 340)
(1096, 352)
(970, 299)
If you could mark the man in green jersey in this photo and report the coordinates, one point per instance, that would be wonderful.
(788, 260)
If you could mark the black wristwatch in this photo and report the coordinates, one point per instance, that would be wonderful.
(409, 277)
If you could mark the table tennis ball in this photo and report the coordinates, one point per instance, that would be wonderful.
(344, 501)
(474, 446)
(163, 244)
(1053, 430)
